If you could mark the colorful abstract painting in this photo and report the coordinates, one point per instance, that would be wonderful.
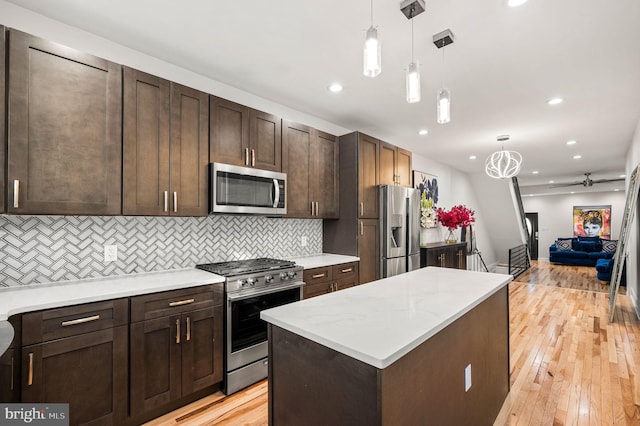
(427, 184)
(592, 221)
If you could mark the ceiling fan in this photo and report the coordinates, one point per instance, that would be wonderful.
(588, 182)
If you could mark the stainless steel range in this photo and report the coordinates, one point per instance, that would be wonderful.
(250, 287)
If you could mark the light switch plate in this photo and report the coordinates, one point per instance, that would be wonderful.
(110, 253)
(303, 241)
(467, 378)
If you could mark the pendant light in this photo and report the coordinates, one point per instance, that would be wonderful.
(503, 164)
(441, 40)
(372, 63)
(413, 76)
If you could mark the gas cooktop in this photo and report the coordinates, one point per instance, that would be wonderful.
(248, 266)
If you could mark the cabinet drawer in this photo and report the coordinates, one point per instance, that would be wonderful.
(317, 275)
(156, 305)
(53, 324)
(347, 271)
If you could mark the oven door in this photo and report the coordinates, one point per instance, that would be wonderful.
(246, 332)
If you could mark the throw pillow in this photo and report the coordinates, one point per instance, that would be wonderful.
(563, 244)
(609, 246)
(588, 246)
(596, 240)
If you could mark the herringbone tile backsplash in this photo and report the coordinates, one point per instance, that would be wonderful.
(37, 249)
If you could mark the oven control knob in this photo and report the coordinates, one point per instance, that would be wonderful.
(268, 278)
(242, 283)
(252, 281)
(291, 274)
(284, 276)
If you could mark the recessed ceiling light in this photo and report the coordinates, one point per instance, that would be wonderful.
(577, 157)
(623, 176)
(423, 132)
(573, 192)
(572, 142)
(515, 3)
(535, 172)
(335, 87)
(616, 190)
(552, 181)
(472, 157)
(555, 101)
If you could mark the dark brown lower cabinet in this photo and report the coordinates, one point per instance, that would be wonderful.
(319, 281)
(174, 356)
(87, 371)
(444, 255)
(369, 249)
(9, 376)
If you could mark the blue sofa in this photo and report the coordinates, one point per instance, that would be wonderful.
(604, 267)
(582, 251)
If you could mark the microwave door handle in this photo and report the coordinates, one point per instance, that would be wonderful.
(276, 198)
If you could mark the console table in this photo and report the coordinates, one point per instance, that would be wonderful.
(445, 255)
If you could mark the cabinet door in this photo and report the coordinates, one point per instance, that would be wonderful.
(317, 289)
(297, 142)
(345, 283)
(9, 376)
(189, 152)
(326, 181)
(404, 168)
(201, 349)
(347, 272)
(64, 146)
(89, 372)
(3, 141)
(456, 257)
(229, 127)
(146, 144)
(369, 249)
(368, 153)
(265, 140)
(155, 363)
(388, 164)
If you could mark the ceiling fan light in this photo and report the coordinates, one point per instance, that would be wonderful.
(503, 164)
(444, 106)
(372, 63)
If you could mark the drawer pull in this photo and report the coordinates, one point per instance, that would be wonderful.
(188, 329)
(178, 331)
(318, 275)
(30, 378)
(344, 271)
(175, 202)
(182, 302)
(165, 204)
(246, 156)
(80, 320)
(12, 375)
(16, 193)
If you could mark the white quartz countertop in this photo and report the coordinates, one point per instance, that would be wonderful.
(324, 259)
(379, 322)
(15, 300)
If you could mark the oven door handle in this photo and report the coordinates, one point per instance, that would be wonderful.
(234, 297)
(276, 197)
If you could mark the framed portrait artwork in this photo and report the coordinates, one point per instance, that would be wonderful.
(592, 221)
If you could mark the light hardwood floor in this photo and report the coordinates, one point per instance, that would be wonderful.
(569, 365)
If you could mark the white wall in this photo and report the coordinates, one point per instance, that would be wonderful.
(555, 214)
(456, 188)
(633, 245)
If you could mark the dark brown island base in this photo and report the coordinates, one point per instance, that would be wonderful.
(447, 363)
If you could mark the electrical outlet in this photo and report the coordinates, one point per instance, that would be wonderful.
(110, 253)
(303, 241)
(467, 378)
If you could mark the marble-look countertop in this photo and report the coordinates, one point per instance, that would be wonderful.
(322, 260)
(381, 321)
(16, 300)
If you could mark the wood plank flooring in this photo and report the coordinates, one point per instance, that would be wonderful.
(569, 365)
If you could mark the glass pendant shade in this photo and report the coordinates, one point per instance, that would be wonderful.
(503, 164)
(413, 83)
(444, 106)
(372, 64)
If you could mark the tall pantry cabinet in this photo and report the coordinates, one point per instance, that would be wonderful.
(357, 233)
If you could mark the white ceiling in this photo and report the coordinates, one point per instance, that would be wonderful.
(504, 65)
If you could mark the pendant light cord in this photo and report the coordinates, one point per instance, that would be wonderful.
(372, 13)
(412, 40)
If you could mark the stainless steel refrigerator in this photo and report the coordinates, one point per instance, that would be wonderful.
(399, 230)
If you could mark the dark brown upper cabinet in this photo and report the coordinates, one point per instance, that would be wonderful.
(395, 165)
(3, 129)
(244, 137)
(368, 176)
(310, 160)
(64, 151)
(165, 147)
(404, 158)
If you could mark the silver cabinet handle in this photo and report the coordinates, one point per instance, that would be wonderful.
(253, 158)
(317, 209)
(246, 156)
(166, 201)
(182, 302)
(312, 208)
(175, 202)
(16, 193)
(80, 320)
(188, 329)
(361, 228)
(30, 378)
(178, 331)
(361, 209)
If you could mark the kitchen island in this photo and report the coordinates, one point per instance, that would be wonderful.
(427, 347)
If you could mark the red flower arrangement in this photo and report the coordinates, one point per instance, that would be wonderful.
(458, 216)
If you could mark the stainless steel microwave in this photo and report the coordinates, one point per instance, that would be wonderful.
(236, 189)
